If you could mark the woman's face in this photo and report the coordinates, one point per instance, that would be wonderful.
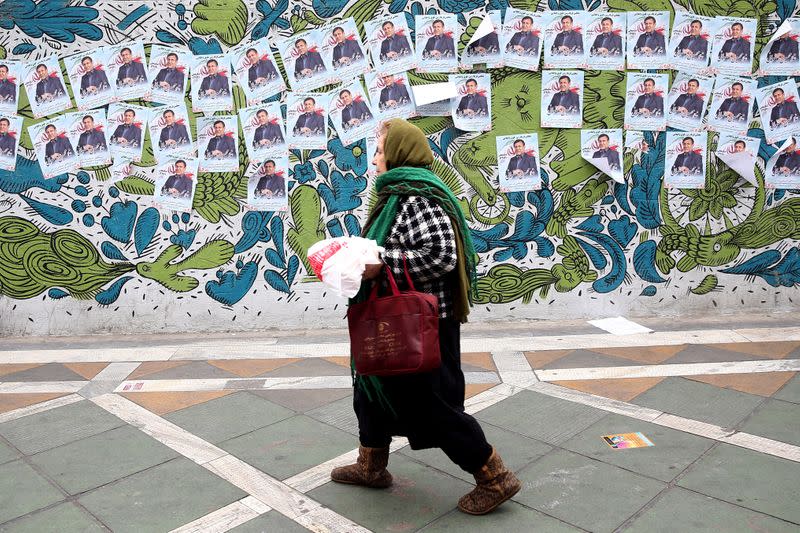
(379, 159)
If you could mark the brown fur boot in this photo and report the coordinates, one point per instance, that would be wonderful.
(369, 470)
(495, 484)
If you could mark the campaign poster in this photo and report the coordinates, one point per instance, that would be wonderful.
(390, 45)
(437, 37)
(522, 39)
(307, 120)
(392, 94)
(690, 44)
(780, 117)
(88, 133)
(211, 84)
(372, 147)
(433, 99)
(602, 148)
(564, 33)
(127, 70)
(731, 106)
(302, 58)
(605, 37)
(264, 131)
(45, 87)
(636, 146)
(687, 101)
(518, 162)
(170, 134)
(11, 72)
(739, 153)
(562, 99)
(644, 101)
(218, 143)
(780, 55)
(126, 124)
(472, 108)
(686, 160)
(648, 32)
(54, 150)
(783, 168)
(343, 50)
(732, 50)
(267, 188)
(120, 169)
(351, 113)
(258, 76)
(168, 73)
(10, 131)
(176, 180)
(88, 75)
(484, 45)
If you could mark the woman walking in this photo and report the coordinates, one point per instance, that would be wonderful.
(420, 224)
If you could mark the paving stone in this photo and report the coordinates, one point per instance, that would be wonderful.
(710, 353)
(23, 490)
(418, 496)
(541, 417)
(42, 431)
(672, 452)
(304, 400)
(588, 359)
(308, 367)
(510, 517)
(707, 403)
(48, 372)
(776, 420)
(290, 446)
(682, 510)
(10, 402)
(190, 370)
(624, 389)
(516, 451)
(162, 403)
(643, 354)
(747, 478)
(269, 522)
(773, 350)
(339, 414)
(58, 519)
(161, 498)
(760, 383)
(228, 417)
(791, 391)
(7, 453)
(587, 493)
(95, 461)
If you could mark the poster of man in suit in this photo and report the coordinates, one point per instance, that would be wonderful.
(170, 134)
(648, 32)
(307, 119)
(254, 65)
(10, 77)
(472, 109)
(45, 86)
(783, 168)
(690, 44)
(686, 159)
(780, 117)
(687, 101)
(564, 33)
(780, 57)
(127, 123)
(211, 84)
(392, 94)
(486, 49)
(264, 131)
(518, 162)
(562, 99)
(644, 101)
(390, 45)
(168, 73)
(436, 38)
(602, 148)
(88, 132)
(127, 71)
(218, 143)
(343, 49)
(732, 50)
(88, 76)
(266, 185)
(351, 113)
(731, 107)
(522, 39)
(605, 34)
(176, 182)
(739, 153)
(303, 61)
(10, 131)
(53, 148)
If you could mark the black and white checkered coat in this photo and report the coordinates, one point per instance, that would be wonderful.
(422, 232)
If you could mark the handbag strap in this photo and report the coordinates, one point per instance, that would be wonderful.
(408, 276)
(392, 283)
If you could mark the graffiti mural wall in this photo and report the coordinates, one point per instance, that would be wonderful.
(78, 255)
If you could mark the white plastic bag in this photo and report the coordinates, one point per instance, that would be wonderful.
(340, 262)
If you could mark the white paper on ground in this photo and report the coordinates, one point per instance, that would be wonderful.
(619, 325)
(484, 28)
(434, 92)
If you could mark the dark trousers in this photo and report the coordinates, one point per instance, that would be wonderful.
(429, 409)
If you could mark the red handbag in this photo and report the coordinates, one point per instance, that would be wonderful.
(395, 334)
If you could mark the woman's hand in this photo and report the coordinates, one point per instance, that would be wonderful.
(372, 271)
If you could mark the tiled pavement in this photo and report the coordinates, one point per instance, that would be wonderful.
(218, 444)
